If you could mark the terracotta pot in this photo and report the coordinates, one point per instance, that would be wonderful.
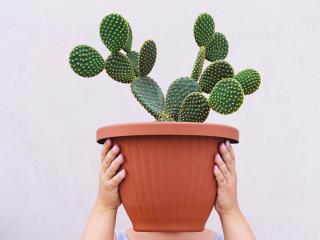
(169, 186)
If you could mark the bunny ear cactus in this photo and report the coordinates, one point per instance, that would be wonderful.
(213, 45)
(86, 61)
(217, 48)
(149, 94)
(119, 68)
(128, 45)
(134, 61)
(226, 97)
(249, 80)
(194, 108)
(186, 99)
(203, 31)
(198, 65)
(177, 92)
(114, 32)
(147, 57)
(215, 72)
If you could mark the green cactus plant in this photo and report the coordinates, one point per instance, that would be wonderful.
(215, 72)
(128, 45)
(86, 61)
(147, 57)
(149, 94)
(114, 32)
(249, 80)
(177, 92)
(203, 32)
(198, 65)
(194, 108)
(226, 96)
(185, 100)
(134, 60)
(119, 67)
(218, 48)
(203, 29)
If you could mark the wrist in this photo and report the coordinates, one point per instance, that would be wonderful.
(233, 212)
(104, 207)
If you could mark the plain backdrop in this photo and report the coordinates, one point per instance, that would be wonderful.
(49, 115)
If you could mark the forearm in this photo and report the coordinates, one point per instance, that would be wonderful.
(101, 224)
(235, 226)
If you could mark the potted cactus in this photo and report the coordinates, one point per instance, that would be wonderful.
(169, 184)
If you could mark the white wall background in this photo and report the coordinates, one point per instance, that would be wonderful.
(48, 115)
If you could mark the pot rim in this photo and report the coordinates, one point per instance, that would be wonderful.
(167, 128)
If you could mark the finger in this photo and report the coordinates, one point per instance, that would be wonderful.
(114, 166)
(229, 146)
(114, 182)
(226, 156)
(219, 176)
(111, 155)
(223, 167)
(106, 147)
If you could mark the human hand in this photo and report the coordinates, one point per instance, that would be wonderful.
(225, 173)
(111, 159)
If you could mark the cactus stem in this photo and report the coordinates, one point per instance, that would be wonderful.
(198, 65)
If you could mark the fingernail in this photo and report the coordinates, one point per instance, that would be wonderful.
(120, 158)
(223, 147)
(228, 144)
(218, 157)
(108, 142)
(122, 173)
(116, 148)
(215, 167)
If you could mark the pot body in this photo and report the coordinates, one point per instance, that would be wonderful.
(169, 186)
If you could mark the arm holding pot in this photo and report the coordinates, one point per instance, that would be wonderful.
(102, 219)
(234, 224)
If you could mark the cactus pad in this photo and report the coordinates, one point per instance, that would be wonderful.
(86, 61)
(195, 108)
(114, 32)
(134, 60)
(249, 80)
(149, 95)
(147, 57)
(217, 48)
(197, 68)
(119, 68)
(127, 47)
(226, 97)
(177, 92)
(215, 72)
(203, 29)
